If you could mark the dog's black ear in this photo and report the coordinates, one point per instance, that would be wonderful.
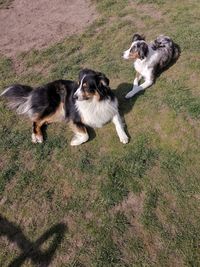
(143, 50)
(138, 37)
(103, 85)
(104, 80)
(82, 73)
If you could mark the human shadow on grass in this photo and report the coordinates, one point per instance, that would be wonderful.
(29, 249)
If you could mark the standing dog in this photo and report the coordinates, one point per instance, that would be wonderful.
(89, 103)
(150, 59)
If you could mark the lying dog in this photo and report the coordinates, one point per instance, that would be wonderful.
(89, 103)
(150, 59)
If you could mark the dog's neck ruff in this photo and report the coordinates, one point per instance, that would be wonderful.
(96, 113)
(148, 62)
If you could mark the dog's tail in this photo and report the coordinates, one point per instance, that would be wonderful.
(167, 44)
(18, 97)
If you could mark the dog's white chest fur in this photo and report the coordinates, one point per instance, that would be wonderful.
(140, 66)
(97, 113)
(146, 65)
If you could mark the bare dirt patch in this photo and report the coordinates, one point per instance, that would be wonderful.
(132, 204)
(29, 24)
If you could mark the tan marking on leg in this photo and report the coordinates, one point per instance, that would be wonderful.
(37, 136)
(77, 129)
(58, 115)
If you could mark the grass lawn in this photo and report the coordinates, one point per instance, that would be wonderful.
(104, 203)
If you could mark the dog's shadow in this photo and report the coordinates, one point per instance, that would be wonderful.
(44, 127)
(126, 105)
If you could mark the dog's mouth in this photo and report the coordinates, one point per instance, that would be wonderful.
(128, 55)
(83, 99)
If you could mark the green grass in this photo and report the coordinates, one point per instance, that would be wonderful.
(5, 3)
(124, 205)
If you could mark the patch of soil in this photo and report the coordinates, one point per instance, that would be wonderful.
(132, 204)
(29, 24)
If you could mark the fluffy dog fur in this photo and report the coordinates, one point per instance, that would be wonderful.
(87, 103)
(150, 59)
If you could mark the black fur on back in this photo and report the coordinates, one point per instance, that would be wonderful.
(47, 98)
(43, 100)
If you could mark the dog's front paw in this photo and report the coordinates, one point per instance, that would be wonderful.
(75, 142)
(36, 138)
(134, 91)
(124, 139)
(130, 94)
(79, 139)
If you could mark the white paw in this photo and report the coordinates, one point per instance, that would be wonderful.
(134, 91)
(130, 94)
(124, 139)
(75, 141)
(37, 138)
(78, 140)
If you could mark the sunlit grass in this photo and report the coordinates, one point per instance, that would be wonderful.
(125, 205)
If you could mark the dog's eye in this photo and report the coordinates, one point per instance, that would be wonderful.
(133, 49)
(87, 88)
(91, 89)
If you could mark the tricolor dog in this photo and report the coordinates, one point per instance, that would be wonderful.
(90, 102)
(150, 59)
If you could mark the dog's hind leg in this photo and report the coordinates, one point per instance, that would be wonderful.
(120, 129)
(37, 136)
(81, 134)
